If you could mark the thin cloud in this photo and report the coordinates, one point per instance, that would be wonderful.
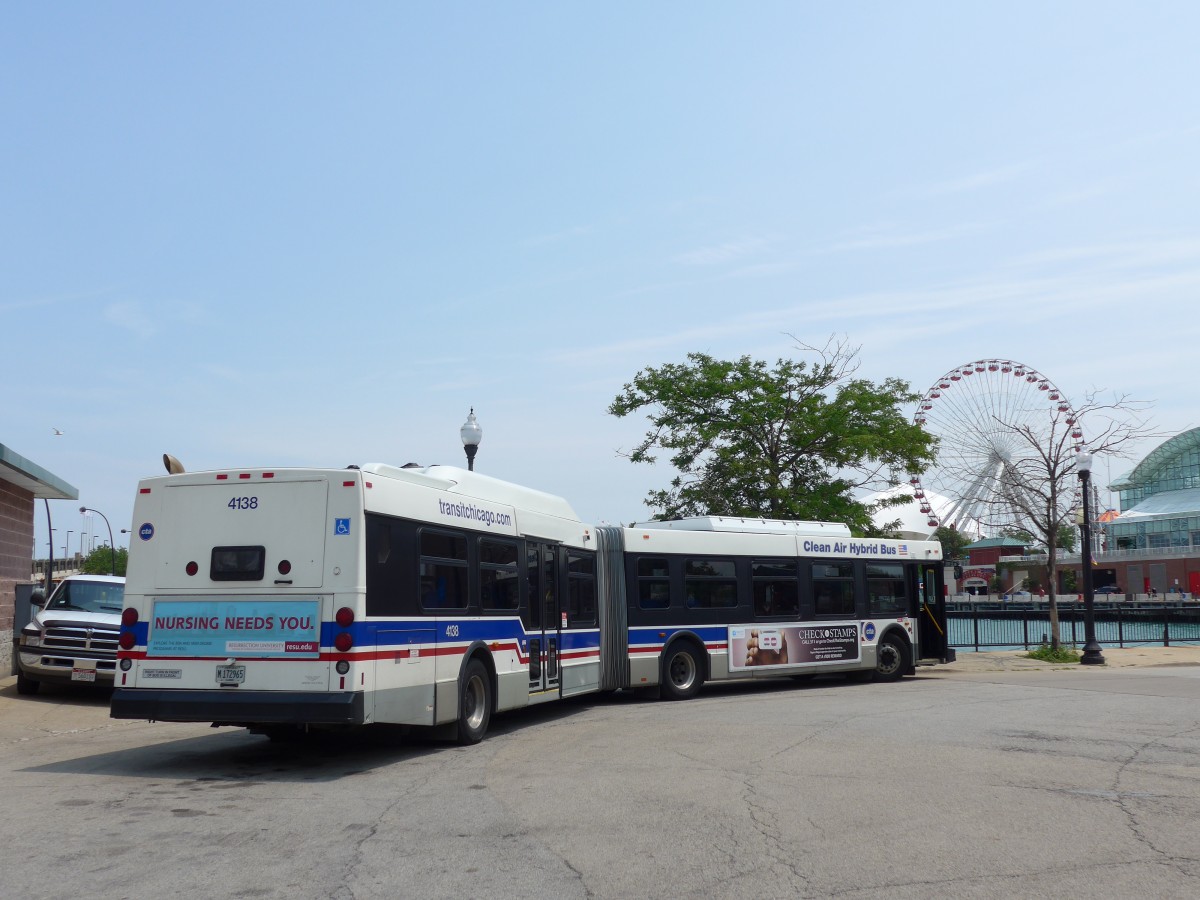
(1124, 254)
(883, 239)
(972, 182)
(128, 315)
(961, 308)
(555, 237)
(722, 253)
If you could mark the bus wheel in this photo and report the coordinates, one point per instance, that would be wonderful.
(25, 684)
(474, 704)
(681, 673)
(891, 659)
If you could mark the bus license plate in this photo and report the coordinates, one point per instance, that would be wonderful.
(231, 674)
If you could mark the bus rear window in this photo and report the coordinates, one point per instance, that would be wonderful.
(237, 563)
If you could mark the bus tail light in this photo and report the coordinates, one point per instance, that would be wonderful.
(129, 617)
(343, 642)
(344, 617)
(127, 640)
(191, 568)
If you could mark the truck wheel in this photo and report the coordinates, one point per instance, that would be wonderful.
(25, 684)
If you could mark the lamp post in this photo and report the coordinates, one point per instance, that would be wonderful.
(471, 435)
(112, 551)
(67, 548)
(1091, 647)
(50, 560)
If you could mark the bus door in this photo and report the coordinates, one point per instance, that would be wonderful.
(542, 615)
(933, 630)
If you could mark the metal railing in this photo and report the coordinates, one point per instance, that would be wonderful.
(985, 626)
(61, 567)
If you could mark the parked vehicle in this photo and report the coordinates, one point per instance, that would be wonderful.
(72, 638)
(1109, 589)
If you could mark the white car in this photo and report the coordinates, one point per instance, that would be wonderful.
(72, 638)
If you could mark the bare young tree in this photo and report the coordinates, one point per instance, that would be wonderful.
(1036, 484)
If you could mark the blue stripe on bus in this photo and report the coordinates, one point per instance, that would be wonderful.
(469, 630)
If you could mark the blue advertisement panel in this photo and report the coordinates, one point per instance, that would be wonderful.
(287, 629)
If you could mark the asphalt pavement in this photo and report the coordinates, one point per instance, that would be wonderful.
(992, 777)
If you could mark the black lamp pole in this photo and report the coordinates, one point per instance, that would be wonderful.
(112, 550)
(1091, 647)
(50, 561)
(471, 435)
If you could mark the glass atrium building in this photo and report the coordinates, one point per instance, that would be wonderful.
(1160, 499)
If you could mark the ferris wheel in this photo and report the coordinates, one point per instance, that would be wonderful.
(979, 412)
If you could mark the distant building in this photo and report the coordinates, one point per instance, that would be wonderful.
(1155, 541)
(21, 483)
(983, 557)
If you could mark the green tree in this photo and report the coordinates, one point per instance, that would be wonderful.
(953, 541)
(792, 441)
(100, 561)
(1066, 538)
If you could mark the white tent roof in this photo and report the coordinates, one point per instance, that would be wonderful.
(914, 524)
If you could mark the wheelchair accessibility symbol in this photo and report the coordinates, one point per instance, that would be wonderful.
(341, 526)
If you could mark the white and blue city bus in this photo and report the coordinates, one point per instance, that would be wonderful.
(291, 599)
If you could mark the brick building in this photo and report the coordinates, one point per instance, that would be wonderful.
(21, 483)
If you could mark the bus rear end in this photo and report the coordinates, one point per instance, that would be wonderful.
(242, 592)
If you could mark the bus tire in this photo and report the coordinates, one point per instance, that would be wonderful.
(891, 658)
(681, 672)
(474, 703)
(27, 685)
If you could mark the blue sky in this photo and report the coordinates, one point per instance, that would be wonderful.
(315, 234)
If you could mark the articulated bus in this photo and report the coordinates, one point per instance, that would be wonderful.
(294, 599)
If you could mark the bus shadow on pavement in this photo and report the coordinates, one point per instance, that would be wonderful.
(234, 755)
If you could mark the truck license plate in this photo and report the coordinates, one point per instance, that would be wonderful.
(231, 674)
(83, 674)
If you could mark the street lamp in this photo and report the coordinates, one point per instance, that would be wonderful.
(112, 552)
(1091, 648)
(67, 548)
(471, 435)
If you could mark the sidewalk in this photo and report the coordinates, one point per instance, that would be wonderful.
(1114, 658)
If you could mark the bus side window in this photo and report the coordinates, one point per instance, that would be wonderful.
(887, 594)
(499, 579)
(710, 583)
(776, 593)
(654, 583)
(833, 588)
(443, 570)
(390, 567)
(581, 588)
